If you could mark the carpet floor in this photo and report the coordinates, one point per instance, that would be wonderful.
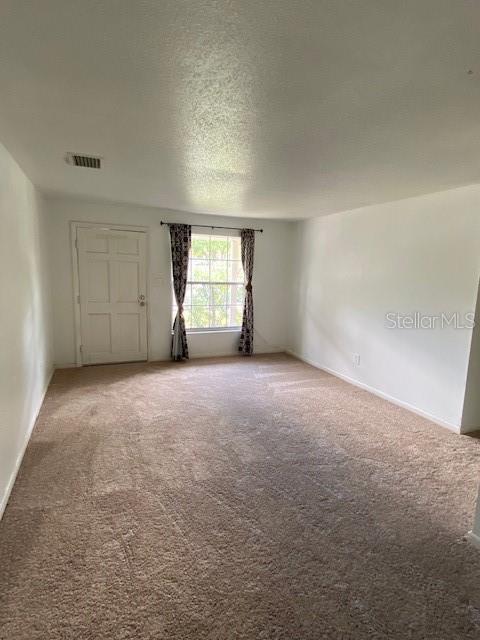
(237, 498)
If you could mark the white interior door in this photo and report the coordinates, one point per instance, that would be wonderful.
(112, 277)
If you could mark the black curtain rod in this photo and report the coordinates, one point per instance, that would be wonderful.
(212, 226)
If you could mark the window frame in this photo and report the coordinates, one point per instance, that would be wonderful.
(226, 328)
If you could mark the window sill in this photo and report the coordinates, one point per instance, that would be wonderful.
(197, 332)
(211, 331)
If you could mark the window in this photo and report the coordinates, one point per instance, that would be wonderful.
(215, 286)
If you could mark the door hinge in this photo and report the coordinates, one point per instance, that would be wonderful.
(81, 348)
(76, 243)
(78, 299)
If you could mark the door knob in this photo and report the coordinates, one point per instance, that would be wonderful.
(141, 300)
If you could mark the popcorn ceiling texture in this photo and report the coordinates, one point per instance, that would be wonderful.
(259, 108)
(237, 498)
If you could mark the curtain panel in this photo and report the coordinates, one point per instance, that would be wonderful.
(180, 242)
(246, 335)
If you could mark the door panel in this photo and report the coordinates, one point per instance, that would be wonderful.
(99, 333)
(127, 246)
(97, 243)
(128, 282)
(129, 331)
(112, 274)
(98, 280)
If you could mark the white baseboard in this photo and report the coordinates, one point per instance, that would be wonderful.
(193, 356)
(474, 539)
(226, 354)
(201, 356)
(8, 489)
(231, 354)
(380, 394)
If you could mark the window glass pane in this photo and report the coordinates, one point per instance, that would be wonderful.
(200, 247)
(240, 297)
(218, 248)
(200, 271)
(235, 316)
(218, 317)
(200, 317)
(188, 295)
(234, 249)
(213, 259)
(219, 294)
(187, 314)
(236, 294)
(218, 271)
(200, 294)
(235, 271)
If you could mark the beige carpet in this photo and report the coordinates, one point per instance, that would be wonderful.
(237, 498)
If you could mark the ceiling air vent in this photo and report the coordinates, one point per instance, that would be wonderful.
(78, 160)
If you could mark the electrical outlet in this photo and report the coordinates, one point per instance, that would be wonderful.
(356, 359)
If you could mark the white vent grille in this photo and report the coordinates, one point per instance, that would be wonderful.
(79, 160)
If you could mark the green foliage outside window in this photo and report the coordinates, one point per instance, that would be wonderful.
(215, 290)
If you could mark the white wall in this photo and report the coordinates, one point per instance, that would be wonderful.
(351, 268)
(322, 287)
(25, 331)
(271, 277)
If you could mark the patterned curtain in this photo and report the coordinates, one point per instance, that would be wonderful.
(180, 241)
(246, 336)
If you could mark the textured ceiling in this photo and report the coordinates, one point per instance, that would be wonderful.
(266, 108)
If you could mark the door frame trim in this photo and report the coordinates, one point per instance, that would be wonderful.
(74, 226)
